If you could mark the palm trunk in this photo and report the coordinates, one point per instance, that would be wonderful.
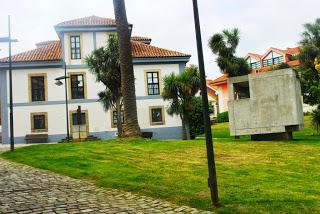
(131, 127)
(187, 125)
(119, 121)
(185, 128)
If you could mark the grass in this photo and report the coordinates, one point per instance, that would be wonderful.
(253, 177)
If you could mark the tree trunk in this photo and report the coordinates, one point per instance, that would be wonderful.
(185, 128)
(119, 122)
(187, 125)
(131, 127)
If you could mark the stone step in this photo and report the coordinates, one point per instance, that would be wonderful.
(88, 138)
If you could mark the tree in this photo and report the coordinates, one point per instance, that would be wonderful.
(309, 75)
(104, 64)
(224, 45)
(131, 127)
(180, 90)
(196, 117)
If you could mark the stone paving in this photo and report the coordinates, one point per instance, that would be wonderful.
(24, 189)
(6, 147)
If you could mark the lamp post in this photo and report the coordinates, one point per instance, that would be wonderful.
(9, 41)
(212, 180)
(59, 83)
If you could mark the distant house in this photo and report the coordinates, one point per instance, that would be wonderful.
(258, 63)
(212, 98)
(39, 104)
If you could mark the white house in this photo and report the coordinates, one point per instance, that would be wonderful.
(39, 104)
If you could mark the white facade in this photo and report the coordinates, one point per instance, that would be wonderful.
(99, 122)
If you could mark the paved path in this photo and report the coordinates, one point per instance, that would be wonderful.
(24, 189)
(6, 147)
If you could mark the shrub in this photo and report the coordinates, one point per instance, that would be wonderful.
(196, 117)
(308, 113)
(281, 66)
(315, 119)
(223, 117)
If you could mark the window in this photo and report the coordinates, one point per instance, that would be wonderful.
(78, 121)
(153, 83)
(115, 120)
(241, 90)
(75, 47)
(77, 86)
(157, 115)
(39, 122)
(37, 88)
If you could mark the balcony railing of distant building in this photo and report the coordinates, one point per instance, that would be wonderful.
(255, 65)
(273, 61)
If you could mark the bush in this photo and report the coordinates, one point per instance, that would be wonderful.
(223, 117)
(196, 118)
(308, 113)
(315, 119)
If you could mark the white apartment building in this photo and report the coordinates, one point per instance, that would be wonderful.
(39, 104)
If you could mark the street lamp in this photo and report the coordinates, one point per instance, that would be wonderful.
(59, 83)
(212, 180)
(9, 40)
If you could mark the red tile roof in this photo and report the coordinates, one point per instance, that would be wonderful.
(220, 80)
(292, 51)
(140, 50)
(140, 38)
(49, 52)
(88, 21)
(42, 44)
(256, 56)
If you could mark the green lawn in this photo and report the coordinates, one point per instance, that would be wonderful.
(253, 177)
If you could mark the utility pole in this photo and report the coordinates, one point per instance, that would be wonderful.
(9, 40)
(10, 90)
(212, 180)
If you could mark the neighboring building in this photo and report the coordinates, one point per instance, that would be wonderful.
(39, 104)
(212, 98)
(258, 63)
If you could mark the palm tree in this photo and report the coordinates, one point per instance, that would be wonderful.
(180, 90)
(131, 127)
(104, 64)
(309, 75)
(224, 45)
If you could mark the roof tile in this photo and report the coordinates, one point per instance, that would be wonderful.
(88, 21)
(51, 51)
(140, 50)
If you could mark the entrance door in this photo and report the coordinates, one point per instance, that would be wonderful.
(79, 128)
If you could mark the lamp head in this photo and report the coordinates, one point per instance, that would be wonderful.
(58, 83)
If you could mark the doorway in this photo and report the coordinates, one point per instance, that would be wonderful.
(79, 126)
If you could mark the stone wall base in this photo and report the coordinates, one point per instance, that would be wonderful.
(285, 136)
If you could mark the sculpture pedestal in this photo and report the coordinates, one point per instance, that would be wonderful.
(285, 136)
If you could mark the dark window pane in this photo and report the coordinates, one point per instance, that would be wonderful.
(156, 115)
(75, 47)
(77, 86)
(39, 122)
(75, 119)
(153, 83)
(37, 89)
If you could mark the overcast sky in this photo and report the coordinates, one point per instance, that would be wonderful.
(276, 23)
